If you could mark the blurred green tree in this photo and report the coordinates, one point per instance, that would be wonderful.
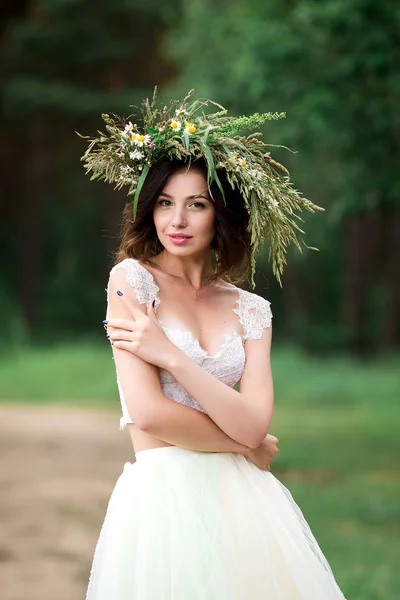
(65, 63)
(334, 68)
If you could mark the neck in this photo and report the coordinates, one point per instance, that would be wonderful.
(194, 270)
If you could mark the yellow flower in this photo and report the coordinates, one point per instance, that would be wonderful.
(176, 125)
(134, 136)
(190, 128)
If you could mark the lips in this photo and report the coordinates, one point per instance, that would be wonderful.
(177, 236)
(179, 239)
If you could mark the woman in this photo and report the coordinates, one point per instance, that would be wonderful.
(197, 516)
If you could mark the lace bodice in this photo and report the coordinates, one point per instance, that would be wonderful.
(227, 364)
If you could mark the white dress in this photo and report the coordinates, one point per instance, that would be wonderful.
(186, 525)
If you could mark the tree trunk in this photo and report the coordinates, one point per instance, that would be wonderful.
(363, 235)
(31, 235)
(391, 325)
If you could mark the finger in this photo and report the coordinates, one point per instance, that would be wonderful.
(121, 324)
(123, 345)
(273, 438)
(135, 311)
(121, 334)
(150, 311)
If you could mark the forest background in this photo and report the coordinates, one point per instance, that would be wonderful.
(334, 68)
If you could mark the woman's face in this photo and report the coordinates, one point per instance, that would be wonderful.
(184, 214)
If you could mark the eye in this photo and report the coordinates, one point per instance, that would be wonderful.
(161, 202)
(198, 204)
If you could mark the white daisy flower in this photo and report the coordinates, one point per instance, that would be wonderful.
(136, 155)
(176, 125)
(242, 162)
(128, 128)
(180, 111)
(141, 140)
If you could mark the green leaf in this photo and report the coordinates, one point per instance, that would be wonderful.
(221, 189)
(207, 131)
(185, 138)
(141, 181)
(234, 142)
(211, 171)
(227, 150)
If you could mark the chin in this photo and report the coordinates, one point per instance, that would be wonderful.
(179, 250)
(185, 251)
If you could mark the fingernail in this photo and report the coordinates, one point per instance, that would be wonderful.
(119, 293)
(105, 322)
(154, 302)
(107, 336)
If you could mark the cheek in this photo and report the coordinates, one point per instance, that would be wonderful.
(210, 225)
(159, 220)
(205, 228)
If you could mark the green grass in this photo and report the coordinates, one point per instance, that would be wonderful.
(338, 422)
(78, 374)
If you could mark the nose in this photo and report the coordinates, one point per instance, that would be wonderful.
(179, 217)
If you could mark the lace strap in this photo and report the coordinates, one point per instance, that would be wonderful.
(140, 279)
(254, 314)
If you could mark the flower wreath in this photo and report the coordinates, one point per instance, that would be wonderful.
(182, 131)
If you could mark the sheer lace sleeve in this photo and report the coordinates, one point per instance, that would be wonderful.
(141, 280)
(133, 379)
(254, 314)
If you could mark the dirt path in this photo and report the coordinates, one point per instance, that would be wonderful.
(58, 467)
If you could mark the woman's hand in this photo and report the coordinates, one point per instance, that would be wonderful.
(264, 454)
(143, 335)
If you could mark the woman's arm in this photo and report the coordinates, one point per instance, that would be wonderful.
(140, 383)
(189, 428)
(244, 416)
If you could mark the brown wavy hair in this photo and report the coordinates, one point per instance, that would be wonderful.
(232, 240)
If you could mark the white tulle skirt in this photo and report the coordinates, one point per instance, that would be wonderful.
(185, 525)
